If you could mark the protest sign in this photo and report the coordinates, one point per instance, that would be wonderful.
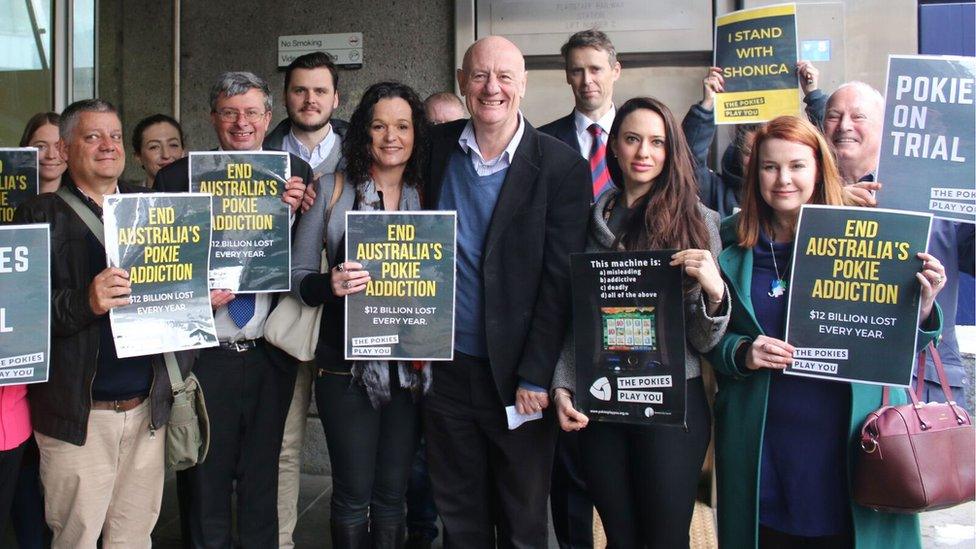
(757, 51)
(928, 147)
(163, 241)
(406, 311)
(629, 337)
(251, 249)
(854, 299)
(18, 179)
(25, 303)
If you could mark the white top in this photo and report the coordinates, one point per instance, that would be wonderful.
(314, 157)
(484, 167)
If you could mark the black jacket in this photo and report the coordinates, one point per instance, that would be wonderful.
(564, 129)
(539, 220)
(60, 407)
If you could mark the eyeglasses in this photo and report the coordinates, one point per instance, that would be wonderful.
(231, 115)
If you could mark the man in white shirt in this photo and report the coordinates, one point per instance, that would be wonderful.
(241, 376)
(591, 71)
(310, 133)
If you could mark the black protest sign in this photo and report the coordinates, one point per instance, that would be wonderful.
(629, 337)
(25, 303)
(163, 242)
(854, 298)
(406, 311)
(251, 250)
(18, 179)
(756, 49)
(928, 148)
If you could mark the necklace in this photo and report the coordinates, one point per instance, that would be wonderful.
(777, 287)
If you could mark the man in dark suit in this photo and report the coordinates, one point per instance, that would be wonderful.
(591, 70)
(240, 377)
(521, 199)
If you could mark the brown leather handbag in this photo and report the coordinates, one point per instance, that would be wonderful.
(916, 457)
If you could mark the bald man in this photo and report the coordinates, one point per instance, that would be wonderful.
(853, 125)
(522, 200)
(443, 107)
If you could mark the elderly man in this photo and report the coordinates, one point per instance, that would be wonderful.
(853, 126)
(310, 133)
(242, 376)
(442, 107)
(591, 71)
(522, 200)
(100, 420)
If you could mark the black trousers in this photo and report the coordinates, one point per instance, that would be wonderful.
(487, 481)
(241, 391)
(371, 450)
(644, 479)
(572, 509)
(9, 473)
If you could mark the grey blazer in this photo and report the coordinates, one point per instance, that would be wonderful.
(701, 330)
(306, 252)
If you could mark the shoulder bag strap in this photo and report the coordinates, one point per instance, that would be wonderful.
(92, 221)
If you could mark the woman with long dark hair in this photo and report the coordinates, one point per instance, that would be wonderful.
(42, 132)
(784, 444)
(643, 479)
(368, 408)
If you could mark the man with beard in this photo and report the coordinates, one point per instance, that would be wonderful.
(310, 133)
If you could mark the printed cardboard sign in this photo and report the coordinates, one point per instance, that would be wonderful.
(629, 337)
(251, 249)
(854, 299)
(163, 242)
(25, 303)
(757, 51)
(928, 148)
(406, 311)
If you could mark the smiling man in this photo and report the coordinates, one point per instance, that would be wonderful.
(242, 377)
(853, 125)
(522, 200)
(100, 420)
(591, 71)
(310, 133)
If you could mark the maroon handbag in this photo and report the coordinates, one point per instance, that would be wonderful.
(916, 457)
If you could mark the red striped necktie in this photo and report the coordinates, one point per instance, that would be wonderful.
(598, 161)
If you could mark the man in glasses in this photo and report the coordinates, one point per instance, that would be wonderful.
(240, 377)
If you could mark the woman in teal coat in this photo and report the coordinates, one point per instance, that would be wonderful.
(785, 445)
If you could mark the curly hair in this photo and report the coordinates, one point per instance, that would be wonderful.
(356, 145)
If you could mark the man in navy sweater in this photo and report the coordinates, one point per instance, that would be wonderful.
(521, 199)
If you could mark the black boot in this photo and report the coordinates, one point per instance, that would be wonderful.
(345, 536)
(388, 536)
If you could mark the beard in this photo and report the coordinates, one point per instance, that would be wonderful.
(307, 127)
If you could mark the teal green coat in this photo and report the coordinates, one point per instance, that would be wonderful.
(740, 417)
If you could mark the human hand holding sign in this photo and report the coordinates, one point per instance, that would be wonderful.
(108, 290)
(933, 279)
(700, 265)
(530, 402)
(713, 83)
(349, 278)
(769, 352)
(294, 191)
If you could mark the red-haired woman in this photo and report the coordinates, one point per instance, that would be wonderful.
(643, 479)
(783, 443)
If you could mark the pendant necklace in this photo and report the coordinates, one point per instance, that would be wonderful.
(777, 287)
